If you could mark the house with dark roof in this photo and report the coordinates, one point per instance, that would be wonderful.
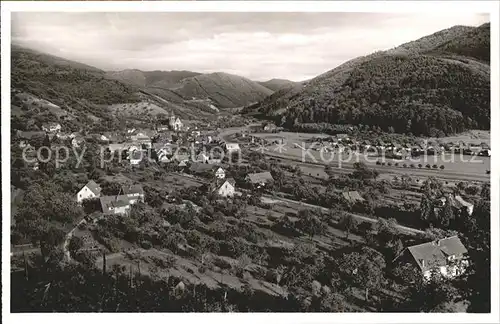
(120, 204)
(260, 179)
(224, 187)
(232, 147)
(445, 256)
(89, 191)
(29, 135)
(133, 192)
(198, 168)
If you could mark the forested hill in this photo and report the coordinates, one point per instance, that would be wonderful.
(47, 88)
(437, 85)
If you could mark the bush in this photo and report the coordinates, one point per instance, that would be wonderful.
(397, 164)
(383, 163)
(378, 163)
(420, 165)
(404, 165)
(435, 166)
(412, 166)
(488, 171)
(442, 167)
(428, 166)
(389, 164)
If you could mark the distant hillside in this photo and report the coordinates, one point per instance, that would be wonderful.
(68, 84)
(474, 43)
(49, 88)
(225, 90)
(222, 90)
(161, 79)
(277, 84)
(430, 86)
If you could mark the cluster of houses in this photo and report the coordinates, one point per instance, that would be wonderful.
(342, 143)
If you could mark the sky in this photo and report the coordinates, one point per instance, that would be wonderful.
(259, 46)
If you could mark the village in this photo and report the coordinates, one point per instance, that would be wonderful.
(176, 171)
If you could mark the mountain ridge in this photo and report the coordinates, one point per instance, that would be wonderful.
(366, 91)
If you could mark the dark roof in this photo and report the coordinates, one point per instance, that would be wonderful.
(260, 177)
(133, 189)
(108, 202)
(434, 254)
(30, 134)
(200, 167)
(94, 187)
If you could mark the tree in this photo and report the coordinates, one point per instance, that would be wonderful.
(348, 223)
(364, 269)
(485, 191)
(476, 236)
(75, 244)
(447, 213)
(310, 223)
(110, 188)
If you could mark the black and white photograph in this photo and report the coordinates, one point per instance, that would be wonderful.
(228, 161)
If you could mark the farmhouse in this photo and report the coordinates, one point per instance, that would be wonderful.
(115, 204)
(232, 147)
(445, 256)
(134, 192)
(259, 179)
(90, 190)
(51, 127)
(220, 173)
(225, 188)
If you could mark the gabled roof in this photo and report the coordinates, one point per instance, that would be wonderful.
(232, 146)
(200, 167)
(94, 187)
(434, 254)
(133, 189)
(108, 203)
(260, 177)
(30, 134)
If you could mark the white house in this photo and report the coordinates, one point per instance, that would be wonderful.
(232, 147)
(175, 123)
(51, 128)
(134, 193)
(220, 173)
(203, 158)
(90, 190)
(115, 204)
(445, 256)
(226, 189)
(135, 157)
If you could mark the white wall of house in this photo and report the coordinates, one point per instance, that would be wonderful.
(84, 193)
(121, 210)
(220, 173)
(226, 190)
